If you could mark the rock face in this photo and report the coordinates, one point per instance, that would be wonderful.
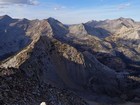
(89, 56)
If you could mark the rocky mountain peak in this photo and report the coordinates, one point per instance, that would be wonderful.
(61, 29)
(5, 17)
(24, 20)
(78, 29)
(53, 20)
(125, 19)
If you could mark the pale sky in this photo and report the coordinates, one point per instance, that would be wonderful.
(71, 11)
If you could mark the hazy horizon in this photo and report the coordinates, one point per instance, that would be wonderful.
(68, 23)
(71, 12)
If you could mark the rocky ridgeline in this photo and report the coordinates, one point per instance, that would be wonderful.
(73, 58)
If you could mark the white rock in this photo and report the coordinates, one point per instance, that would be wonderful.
(43, 103)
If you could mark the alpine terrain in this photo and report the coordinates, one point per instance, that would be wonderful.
(46, 62)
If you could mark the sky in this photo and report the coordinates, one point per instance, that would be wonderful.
(71, 11)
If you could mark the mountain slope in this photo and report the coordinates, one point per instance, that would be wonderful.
(118, 39)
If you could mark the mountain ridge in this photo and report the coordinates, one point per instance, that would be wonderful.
(76, 58)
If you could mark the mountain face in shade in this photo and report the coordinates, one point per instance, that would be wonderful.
(47, 61)
(5, 19)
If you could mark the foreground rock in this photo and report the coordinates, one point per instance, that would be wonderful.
(19, 89)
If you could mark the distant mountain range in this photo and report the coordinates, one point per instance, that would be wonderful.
(98, 61)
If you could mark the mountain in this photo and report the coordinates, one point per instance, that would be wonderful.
(125, 28)
(117, 38)
(47, 61)
(5, 19)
